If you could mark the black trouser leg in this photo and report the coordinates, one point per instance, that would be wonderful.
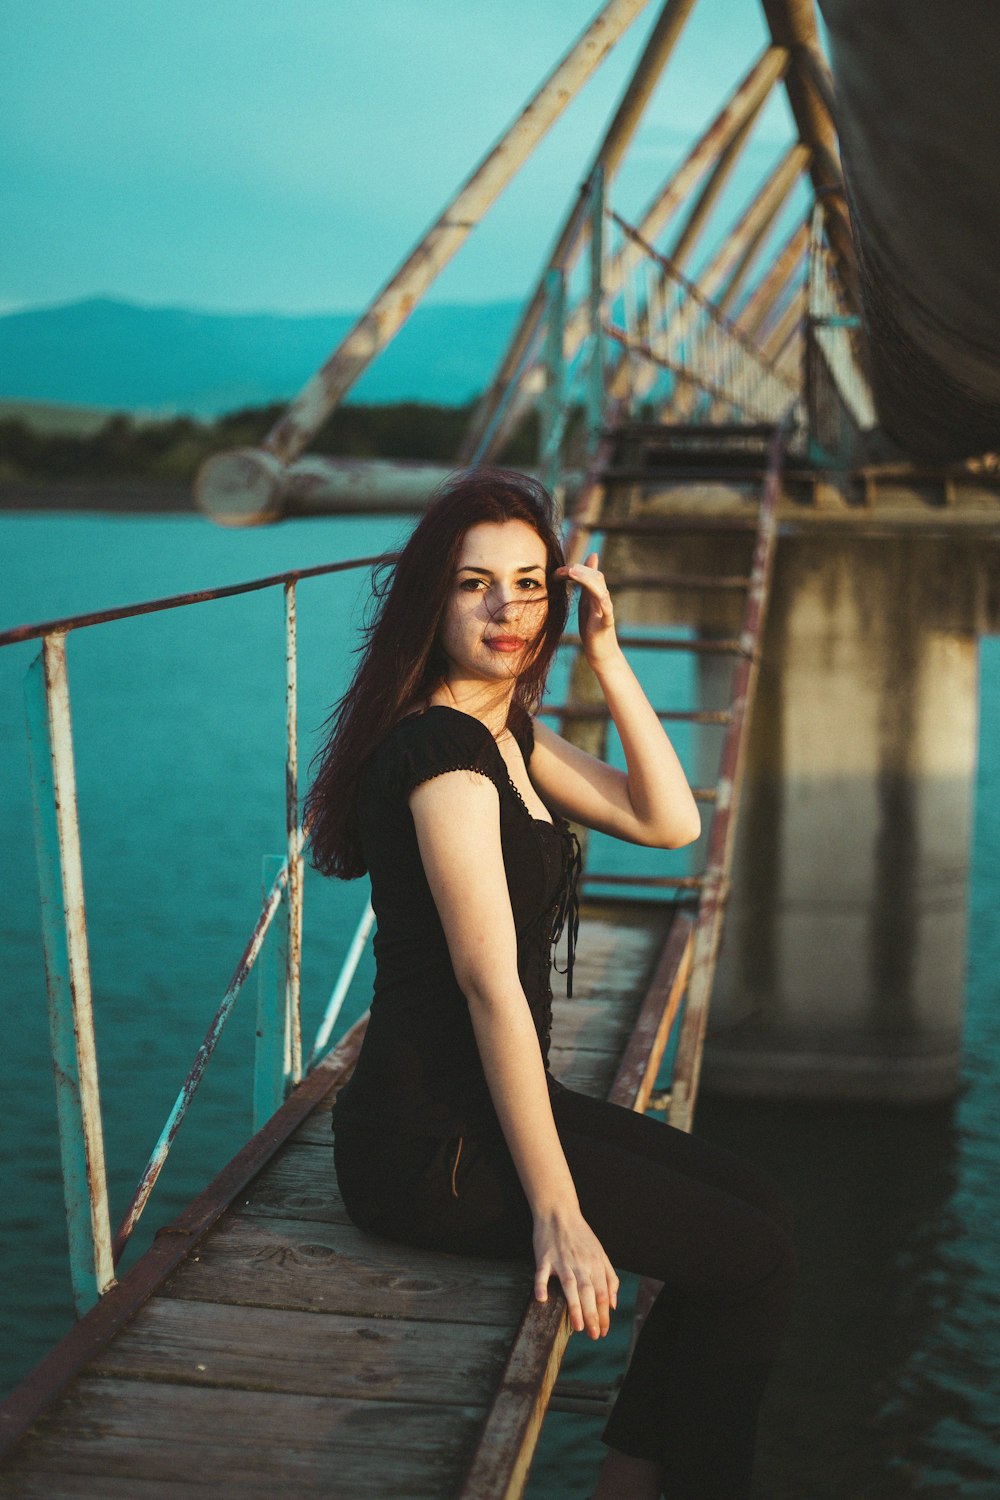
(663, 1204)
(667, 1205)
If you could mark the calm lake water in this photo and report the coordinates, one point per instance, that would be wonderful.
(888, 1387)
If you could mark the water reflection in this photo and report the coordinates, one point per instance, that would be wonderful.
(884, 1388)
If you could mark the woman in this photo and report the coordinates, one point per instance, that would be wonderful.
(452, 1133)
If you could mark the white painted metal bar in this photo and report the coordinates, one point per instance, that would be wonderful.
(293, 971)
(67, 972)
(348, 969)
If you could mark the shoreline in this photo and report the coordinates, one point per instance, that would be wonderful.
(117, 496)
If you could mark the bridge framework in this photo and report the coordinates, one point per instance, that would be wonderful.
(843, 972)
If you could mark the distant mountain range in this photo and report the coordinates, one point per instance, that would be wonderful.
(160, 360)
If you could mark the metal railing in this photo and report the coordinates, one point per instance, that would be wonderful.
(668, 323)
(93, 1251)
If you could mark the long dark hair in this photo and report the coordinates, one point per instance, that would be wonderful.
(401, 660)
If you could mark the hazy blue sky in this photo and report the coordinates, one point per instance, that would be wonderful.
(285, 154)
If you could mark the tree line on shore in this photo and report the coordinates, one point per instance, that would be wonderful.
(171, 451)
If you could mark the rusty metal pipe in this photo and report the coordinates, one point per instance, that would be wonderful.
(759, 210)
(721, 837)
(293, 832)
(690, 230)
(792, 24)
(786, 325)
(758, 213)
(189, 1087)
(177, 601)
(67, 973)
(728, 294)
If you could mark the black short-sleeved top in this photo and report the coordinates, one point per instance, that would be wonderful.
(419, 1064)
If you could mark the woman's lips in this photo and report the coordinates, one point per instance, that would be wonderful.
(504, 643)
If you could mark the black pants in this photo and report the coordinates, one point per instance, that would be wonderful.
(663, 1204)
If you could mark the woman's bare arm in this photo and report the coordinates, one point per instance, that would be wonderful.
(457, 821)
(649, 803)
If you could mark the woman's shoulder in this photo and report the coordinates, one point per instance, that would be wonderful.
(439, 724)
(430, 742)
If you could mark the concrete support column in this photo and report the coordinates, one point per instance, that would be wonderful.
(843, 964)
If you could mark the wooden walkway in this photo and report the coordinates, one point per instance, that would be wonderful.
(265, 1347)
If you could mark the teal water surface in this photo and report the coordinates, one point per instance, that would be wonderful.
(888, 1385)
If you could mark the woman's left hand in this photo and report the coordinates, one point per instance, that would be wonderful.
(596, 612)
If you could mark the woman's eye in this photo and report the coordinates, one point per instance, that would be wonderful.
(471, 585)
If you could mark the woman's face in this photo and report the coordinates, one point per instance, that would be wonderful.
(498, 602)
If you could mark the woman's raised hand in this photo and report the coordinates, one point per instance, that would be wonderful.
(566, 1247)
(595, 610)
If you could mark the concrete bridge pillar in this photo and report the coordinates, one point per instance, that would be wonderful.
(843, 964)
(842, 970)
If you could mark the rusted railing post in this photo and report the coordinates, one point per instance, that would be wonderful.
(293, 959)
(67, 972)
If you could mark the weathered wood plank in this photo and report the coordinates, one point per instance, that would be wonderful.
(571, 1063)
(300, 1184)
(241, 1445)
(384, 1359)
(317, 1130)
(503, 1454)
(274, 1262)
(599, 1025)
(590, 1072)
(42, 1484)
(617, 950)
(230, 1384)
(172, 1244)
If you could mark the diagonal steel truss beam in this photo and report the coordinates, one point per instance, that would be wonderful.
(810, 94)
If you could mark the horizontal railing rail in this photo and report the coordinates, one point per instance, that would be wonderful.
(176, 601)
